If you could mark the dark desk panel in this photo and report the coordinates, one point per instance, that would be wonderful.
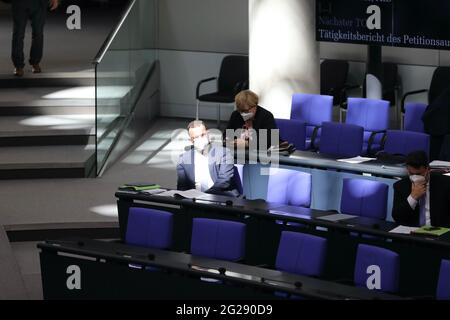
(264, 210)
(265, 222)
(117, 271)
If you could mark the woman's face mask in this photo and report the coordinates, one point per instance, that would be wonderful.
(248, 115)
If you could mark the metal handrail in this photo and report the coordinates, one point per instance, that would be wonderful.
(112, 35)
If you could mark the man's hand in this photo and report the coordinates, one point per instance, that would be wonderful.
(418, 190)
(53, 4)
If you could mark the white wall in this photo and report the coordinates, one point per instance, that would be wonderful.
(194, 36)
(204, 25)
(284, 55)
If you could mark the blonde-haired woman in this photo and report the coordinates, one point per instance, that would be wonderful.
(250, 118)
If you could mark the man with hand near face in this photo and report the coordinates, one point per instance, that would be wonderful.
(422, 199)
(206, 167)
(36, 12)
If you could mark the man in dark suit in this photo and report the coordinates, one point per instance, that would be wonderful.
(206, 167)
(22, 11)
(424, 197)
(248, 121)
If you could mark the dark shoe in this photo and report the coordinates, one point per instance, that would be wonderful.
(35, 68)
(18, 72)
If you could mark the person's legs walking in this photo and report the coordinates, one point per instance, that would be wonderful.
(20, 18)
(38, 15)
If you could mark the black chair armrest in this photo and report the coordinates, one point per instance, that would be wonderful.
(238, 87)
(330, 92)
(383, 142)
(410, 94)
(372, 138)
(246, 85)
(394, 88)
(351, 87)
(314, 137)
(197, 92)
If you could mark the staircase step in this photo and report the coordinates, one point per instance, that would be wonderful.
(57, 79)
(32, 94)
(46, 130)
(43, 107)
(64, 79)
(42, 101)
(47, 162)
(47, 122)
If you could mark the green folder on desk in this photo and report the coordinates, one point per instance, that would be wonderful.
(139, 186)
(430, 231)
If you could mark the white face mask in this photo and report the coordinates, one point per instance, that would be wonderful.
(247, 116)
(415, 178)
(200, 143)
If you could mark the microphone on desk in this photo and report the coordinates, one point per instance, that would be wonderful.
(222, 270)
(151, 256)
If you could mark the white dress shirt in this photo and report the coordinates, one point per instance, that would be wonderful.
(203, 180)
(424, 207)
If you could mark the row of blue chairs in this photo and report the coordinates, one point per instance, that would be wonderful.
(365, 131)
(298, 253)
(360, 197)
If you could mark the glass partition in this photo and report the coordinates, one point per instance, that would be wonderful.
(121, 71)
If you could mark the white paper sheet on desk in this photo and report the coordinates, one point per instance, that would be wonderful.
(337, 217)
(403, 230)
(356, 160)
(188, 194)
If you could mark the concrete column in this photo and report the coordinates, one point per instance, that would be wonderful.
(284, 54)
